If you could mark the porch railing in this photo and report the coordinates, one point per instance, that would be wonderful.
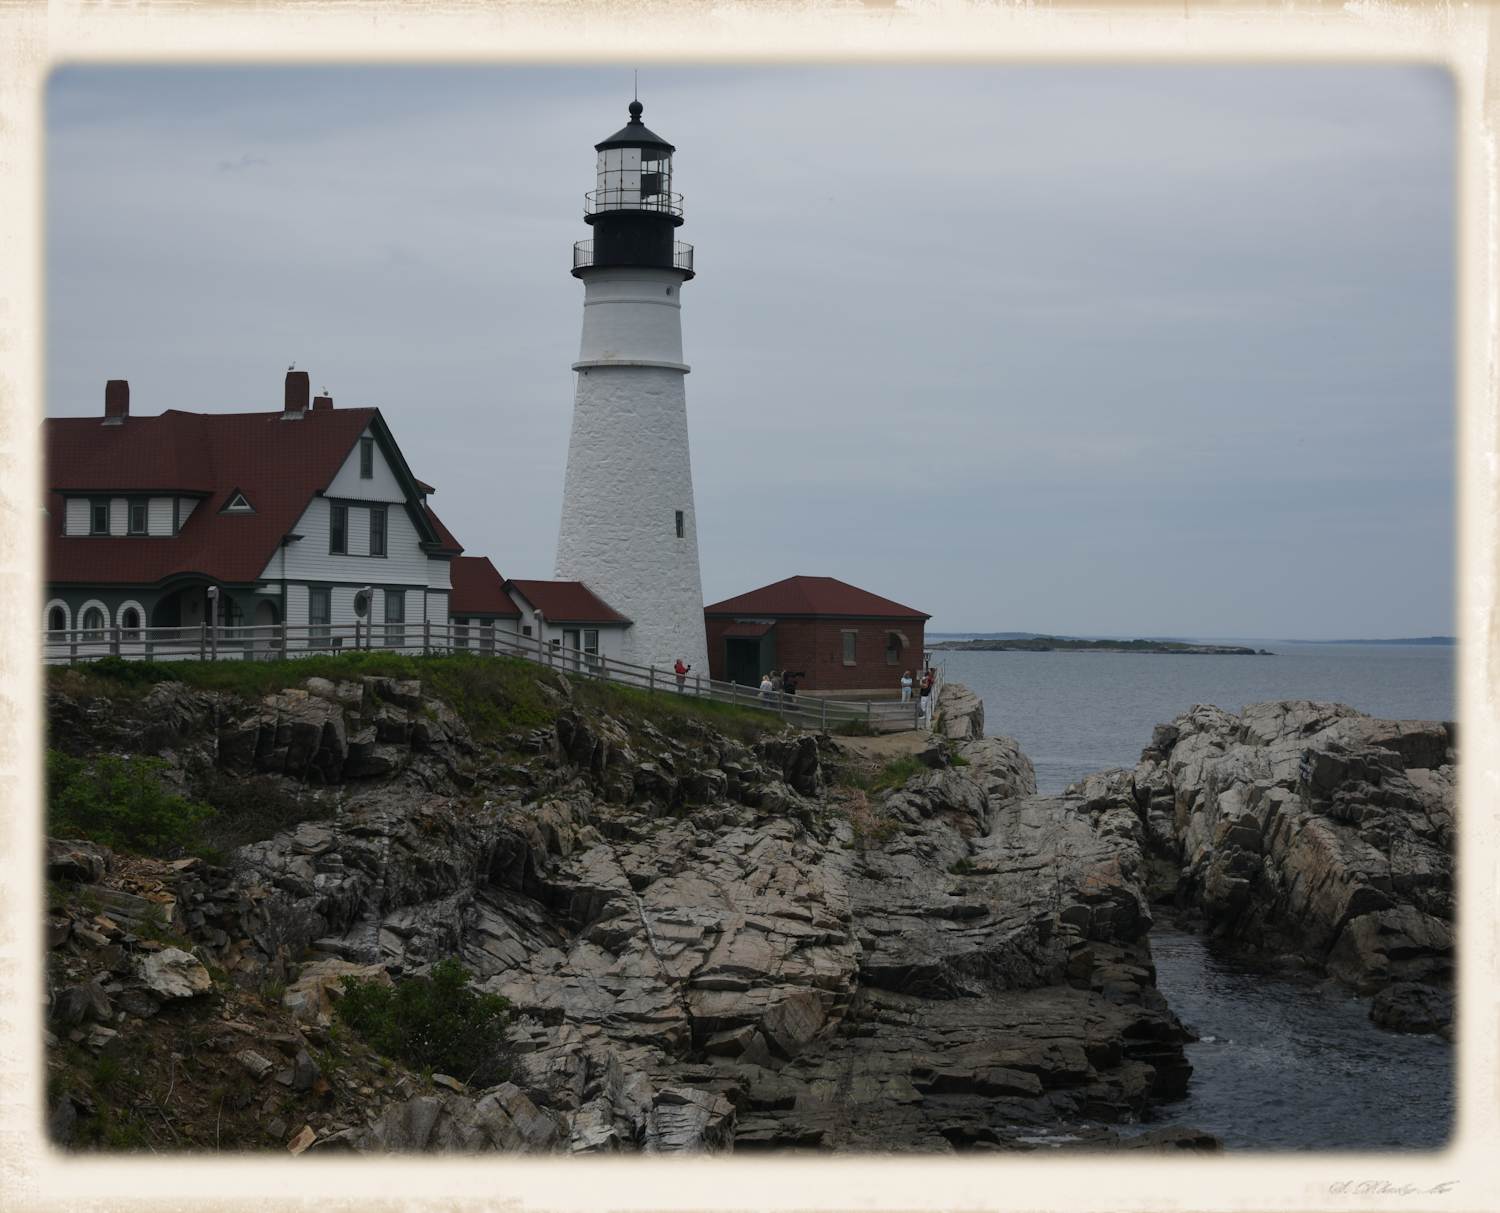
(268, 642)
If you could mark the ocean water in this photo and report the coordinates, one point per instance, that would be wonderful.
(1075, 713)
(1286, 1064)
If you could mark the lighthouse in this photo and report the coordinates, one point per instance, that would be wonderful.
(629, 530)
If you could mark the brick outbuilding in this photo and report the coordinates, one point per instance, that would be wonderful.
(842, 639)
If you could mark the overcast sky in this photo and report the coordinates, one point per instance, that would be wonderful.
(1088, 349)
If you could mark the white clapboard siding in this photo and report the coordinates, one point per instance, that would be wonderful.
(310, 560)
(382, 486)
(159, 516)
(439, 574)
(184, 508)
(78, 516)
(296, 606)
(437, 608)
(119, 515)
(414, 604)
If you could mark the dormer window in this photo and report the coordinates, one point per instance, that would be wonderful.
(99, 517)
(137, 518)
(238, 505)
(366, 458)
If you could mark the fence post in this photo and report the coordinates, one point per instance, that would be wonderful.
(203, 641)
(698, 685)
(426, 637)
(651, 681)
(825, 715)
(283, 639)
(73, 646)
(868, 705)
(213, 642)
(114, 641)
(146, 636)
(356, 634)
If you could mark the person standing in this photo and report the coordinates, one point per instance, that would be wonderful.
(767, 689)
(681, 671)
(789, 683)
(905, 686)
(925, 703)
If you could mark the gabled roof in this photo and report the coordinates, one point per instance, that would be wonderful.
(278, 465)
(567, 602)
(807, 597)
(478, 589)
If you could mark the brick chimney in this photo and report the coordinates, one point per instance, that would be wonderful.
(116, 401)
(297, 391)
(322, 402)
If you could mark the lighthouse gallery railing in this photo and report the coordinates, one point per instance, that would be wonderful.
(682, 255)
(203, 642)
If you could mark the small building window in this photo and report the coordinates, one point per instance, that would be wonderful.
(366, 458)
(487, 635)
(679, 524)
(338, 530)
(377, 530)
(893, 646)
(238, 504)
(461, 632)
(395, 617)
(99, 518)
(57, 620)
(137, 518)
(130, 624)
(849, 639)
(525, 629)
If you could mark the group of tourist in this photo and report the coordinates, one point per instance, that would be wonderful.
(924, 690)
(786, 680)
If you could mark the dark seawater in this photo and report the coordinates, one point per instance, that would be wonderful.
(1075, 713)
(1285, 1064)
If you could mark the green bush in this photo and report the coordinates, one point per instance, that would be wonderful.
(434, 1022)
(896, 772)
(119, 802)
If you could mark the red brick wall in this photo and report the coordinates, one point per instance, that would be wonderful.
(817, 647)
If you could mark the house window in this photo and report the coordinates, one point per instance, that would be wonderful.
(238, 504)
(338, 530)
(679, 524)
(93, 623)
(525, 629)
(319, 612)
(57, 620)
(849, 639)
(99, 518)
(377, 530)
(137, 518)
(366, 458)
(395, 617)
(461, 632)
(893, 648)
(130, 624)
(487, 635)
(591, 646)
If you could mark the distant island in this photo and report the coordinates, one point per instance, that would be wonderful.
(1049, 644)
(1448, 640)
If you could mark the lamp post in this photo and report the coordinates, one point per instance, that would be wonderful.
(213, 623)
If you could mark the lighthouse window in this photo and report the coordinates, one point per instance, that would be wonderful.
(679, 524)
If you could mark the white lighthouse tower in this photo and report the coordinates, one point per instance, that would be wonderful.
(628, 527)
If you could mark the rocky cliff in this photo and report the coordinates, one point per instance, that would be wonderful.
(1310, 833)
(709, 942)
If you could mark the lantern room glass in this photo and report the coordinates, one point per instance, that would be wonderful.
(634, 179)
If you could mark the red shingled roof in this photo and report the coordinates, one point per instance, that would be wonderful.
(568, 602)
(278, 465)
(808, 596)
(478, 589)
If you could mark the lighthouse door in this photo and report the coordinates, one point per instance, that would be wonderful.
(572, 646)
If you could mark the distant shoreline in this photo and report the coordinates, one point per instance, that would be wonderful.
(1051, 644)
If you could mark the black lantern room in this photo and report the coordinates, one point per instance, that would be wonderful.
(632, 208)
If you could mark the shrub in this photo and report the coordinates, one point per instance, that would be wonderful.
(897, 772)
(119, 802)
(434, 1022)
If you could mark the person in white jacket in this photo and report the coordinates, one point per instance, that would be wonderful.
(906, 686)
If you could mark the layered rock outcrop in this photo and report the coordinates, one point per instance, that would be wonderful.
(1311, 829)
(708, 944)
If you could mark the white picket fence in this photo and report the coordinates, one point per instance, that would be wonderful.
(272, 642)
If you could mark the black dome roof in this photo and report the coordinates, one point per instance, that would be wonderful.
(635, 133)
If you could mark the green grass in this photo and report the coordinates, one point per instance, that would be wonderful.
(896, 772)
(494, 695)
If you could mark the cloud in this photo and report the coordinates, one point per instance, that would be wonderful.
(244, 162)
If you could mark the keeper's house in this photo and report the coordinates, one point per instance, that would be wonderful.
(842, 639)
(288, 513)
